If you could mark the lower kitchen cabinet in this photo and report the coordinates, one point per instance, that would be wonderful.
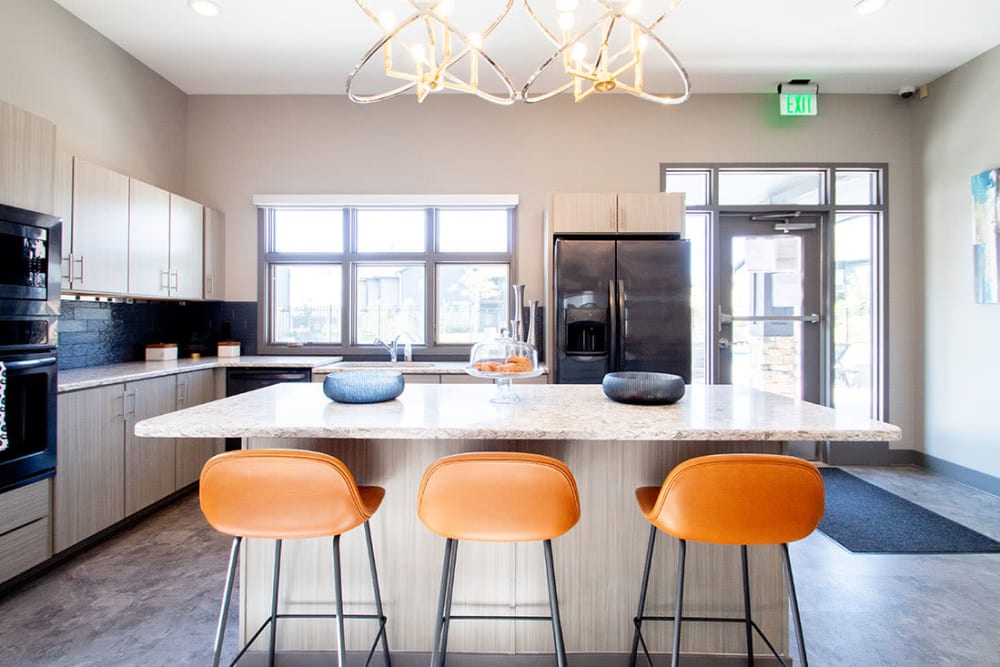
(150, 466)
(90, 464)
(25, 539)
(194, 389)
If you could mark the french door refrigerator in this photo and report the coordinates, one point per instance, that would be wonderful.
(622, 304)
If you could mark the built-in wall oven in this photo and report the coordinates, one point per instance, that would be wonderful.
(29, 310)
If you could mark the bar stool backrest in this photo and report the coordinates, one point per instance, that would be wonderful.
(740, 499)
(281, 494)
(498, 497)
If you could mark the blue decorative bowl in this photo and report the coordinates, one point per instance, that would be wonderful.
(363, 386)
(643, 388)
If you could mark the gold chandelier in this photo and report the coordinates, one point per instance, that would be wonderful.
(435, 49)
(621, 40)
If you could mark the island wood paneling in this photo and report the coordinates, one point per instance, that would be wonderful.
(599, 562)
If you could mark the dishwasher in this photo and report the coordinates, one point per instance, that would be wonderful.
(242, 380)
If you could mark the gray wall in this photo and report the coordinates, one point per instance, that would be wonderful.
(958, 135)
(241, 146)
(108, 107)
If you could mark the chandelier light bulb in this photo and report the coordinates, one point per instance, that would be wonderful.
(476, 40)
(417, 53)
(643, 43)
(445, 8)
(566, 21)
(566, 5)
(633, 8)
(579, 52)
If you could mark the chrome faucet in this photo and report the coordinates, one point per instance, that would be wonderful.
(391, 347)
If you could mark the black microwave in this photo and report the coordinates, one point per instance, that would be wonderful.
(30, 246)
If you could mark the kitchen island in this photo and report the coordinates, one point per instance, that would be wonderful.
(611, 448)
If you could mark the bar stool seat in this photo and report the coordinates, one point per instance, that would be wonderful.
(735, 499)
(284, 494)
(497, 497)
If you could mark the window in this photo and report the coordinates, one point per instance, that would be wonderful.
(339, 277)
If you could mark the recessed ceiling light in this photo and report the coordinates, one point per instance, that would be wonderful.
(869, 6)
(204, 7)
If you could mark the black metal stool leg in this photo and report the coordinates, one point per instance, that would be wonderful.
(557, 635)
(274, 603)
(220, 630)
(642, 596)
(447, 602)
(439, 619)
(378, 596)
(675, 656)
(796, 619)
(746, 603)
(338, 603)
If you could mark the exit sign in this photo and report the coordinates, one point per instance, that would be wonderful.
(798, 104)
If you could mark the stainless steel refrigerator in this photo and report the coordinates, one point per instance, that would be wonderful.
(622, 304)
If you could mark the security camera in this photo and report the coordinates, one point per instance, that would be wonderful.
(906, 92)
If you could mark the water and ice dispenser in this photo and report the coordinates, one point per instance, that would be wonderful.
(586, 325)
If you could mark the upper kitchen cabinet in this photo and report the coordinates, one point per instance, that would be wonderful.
(99, 254)
(63, 208)
(186, 248)
(148, 240)
(584, 213)
(27, 159)
(215, 254)
(611, 213)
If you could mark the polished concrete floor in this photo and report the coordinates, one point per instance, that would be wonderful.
(148, 597)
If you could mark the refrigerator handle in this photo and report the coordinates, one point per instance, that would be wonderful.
(613, 338)
(621, 322)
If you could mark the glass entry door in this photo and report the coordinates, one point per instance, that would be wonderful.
(768, 305)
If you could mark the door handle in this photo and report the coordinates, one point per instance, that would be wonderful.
(30, 363)
(725, 343)
(728, 318)
(613, 317)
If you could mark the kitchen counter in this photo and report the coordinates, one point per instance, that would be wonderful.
(98, 376)
(546, 412)
(611, 449)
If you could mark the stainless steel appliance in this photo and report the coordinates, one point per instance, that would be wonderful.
(242, 380)
(622, 304)
(29, 309)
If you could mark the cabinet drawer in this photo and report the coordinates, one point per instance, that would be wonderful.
(24, 548)
(24, 505)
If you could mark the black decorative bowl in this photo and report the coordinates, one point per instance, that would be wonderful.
(363, 386)
(643, 388)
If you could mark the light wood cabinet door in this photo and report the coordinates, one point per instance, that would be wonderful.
(149, 462)
(27, 159)
(192, 453)
(100, 229)
(651, 213)
(90, 464)
(186, 248)
(148, 239)
(582, 213)
(63, 208)
(215, 254)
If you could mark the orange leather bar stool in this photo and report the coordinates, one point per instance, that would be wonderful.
(731, 499)
(284, 494)
(496, 497)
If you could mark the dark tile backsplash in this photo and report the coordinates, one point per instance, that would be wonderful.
(96, 333)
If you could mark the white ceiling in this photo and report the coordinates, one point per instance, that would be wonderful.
(310, 46)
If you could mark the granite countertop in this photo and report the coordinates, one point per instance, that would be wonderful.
(546, 412)
(404, 367)
(98, 376)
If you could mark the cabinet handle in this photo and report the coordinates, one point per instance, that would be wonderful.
(166, 285)
(128, 411)
(71, 277)
(182, 392)
(177, 281)
(67, 273)
(119, 406)
(210, 285)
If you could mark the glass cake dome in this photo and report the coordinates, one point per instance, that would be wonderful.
(503, 359)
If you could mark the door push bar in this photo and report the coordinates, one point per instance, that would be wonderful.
(727, 318)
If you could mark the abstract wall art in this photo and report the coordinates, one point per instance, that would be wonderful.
(986, 230)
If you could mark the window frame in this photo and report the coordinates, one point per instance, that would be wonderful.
(829, 210)
(350, 259)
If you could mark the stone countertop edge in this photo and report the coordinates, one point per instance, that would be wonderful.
(545, 412)
(434, 368)
(100, 376)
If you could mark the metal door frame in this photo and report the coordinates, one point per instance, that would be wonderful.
(815, 282)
